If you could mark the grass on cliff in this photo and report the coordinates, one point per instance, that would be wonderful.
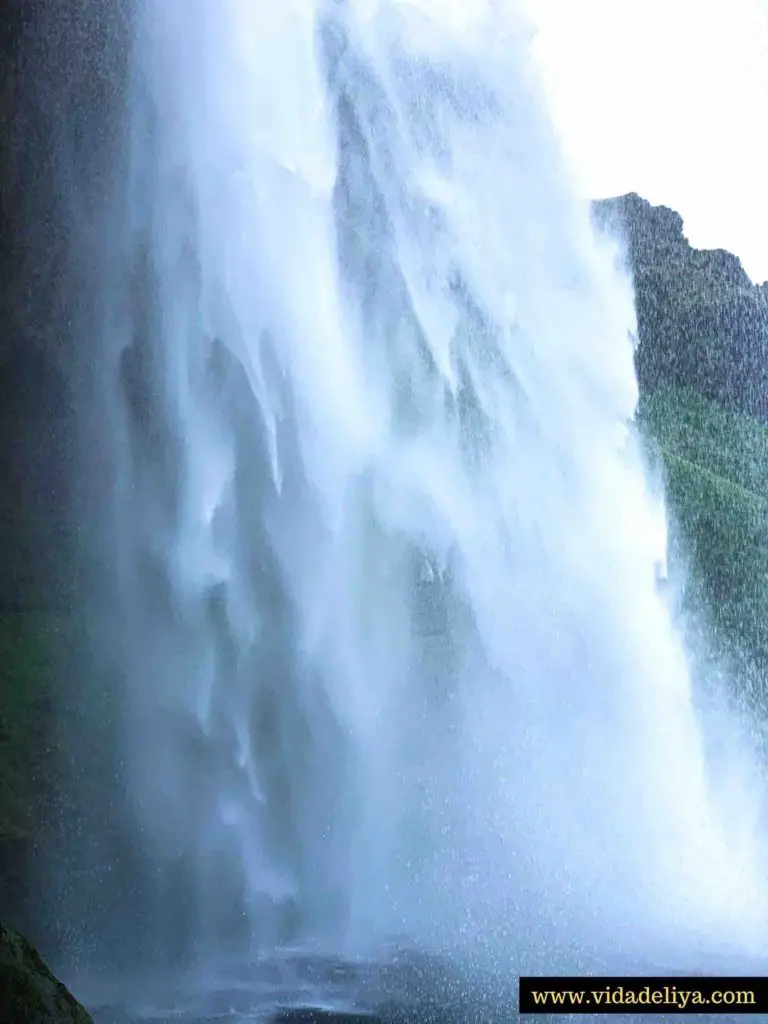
(716, 467)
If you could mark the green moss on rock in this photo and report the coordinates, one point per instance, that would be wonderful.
(716, 470)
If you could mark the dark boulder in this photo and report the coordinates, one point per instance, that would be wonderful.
(29, 993)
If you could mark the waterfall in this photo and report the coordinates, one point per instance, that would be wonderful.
(393, 662)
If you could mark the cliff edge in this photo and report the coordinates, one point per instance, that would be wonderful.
(702, 323)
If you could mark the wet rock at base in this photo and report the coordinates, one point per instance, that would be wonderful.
(29, 993)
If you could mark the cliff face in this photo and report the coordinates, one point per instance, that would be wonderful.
(62, 80)
(703, 375)
(702, 324)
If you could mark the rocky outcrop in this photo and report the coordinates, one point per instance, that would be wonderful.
(702, 323)
(29, 993)
(702, 365)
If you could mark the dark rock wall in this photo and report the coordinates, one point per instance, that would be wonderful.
(63, 76)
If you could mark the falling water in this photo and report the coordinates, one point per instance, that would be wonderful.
(396, 667)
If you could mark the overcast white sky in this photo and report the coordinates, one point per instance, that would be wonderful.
(668, 98)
